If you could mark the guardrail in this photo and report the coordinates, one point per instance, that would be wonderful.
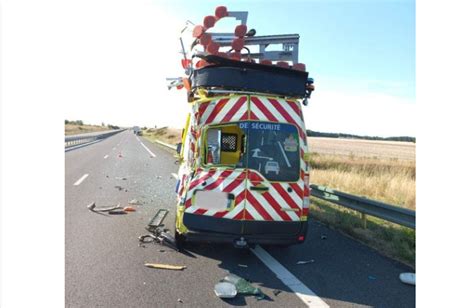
(364, 205)
(86, 138)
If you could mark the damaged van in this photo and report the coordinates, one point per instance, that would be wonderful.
(244, 175)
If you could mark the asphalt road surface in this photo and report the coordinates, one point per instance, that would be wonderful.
(105, 263)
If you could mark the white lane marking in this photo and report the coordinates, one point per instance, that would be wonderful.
(105, 157)
(174, 175)
(78, 182)
(303, 292)
(151, 153)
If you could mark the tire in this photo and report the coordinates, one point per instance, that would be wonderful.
(180, 240)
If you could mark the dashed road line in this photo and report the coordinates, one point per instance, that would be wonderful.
(78, 182)
(151, 153)
(303, 292)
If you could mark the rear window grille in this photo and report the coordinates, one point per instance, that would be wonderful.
(229, 142)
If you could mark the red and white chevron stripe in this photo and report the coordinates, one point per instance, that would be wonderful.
(223, 110)
(283, 201)
(277, 204)
(227, 180)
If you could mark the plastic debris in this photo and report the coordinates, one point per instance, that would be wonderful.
(276, 292)
(129, 209)
(225, 290)
(120, 178)
(408, 278)
(134, 202)
(117, 212)
(323, 237)
(243, 286)
(118, 187)
(242, 265)
(165, 266)
(180, 300)
(93, 208)
(305, 262)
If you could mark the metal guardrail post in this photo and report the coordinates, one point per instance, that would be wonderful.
(366, 206)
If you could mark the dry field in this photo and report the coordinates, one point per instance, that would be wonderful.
(73, 129)
(381, 170)
(164, 134)
(362, 148)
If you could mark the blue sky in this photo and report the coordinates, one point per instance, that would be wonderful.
(361, 54)
(363, 44)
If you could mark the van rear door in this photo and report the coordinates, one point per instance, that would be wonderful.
(274, 186)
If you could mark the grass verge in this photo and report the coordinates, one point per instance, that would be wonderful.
(164, 134)
(391, 181)
(394, 241)
(73, 129)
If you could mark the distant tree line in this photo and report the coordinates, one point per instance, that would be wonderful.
(78, 122)
(311, 133)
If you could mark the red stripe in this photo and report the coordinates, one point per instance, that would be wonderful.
(238, 181)
(258, 207)
(216, 110)
(285, 196)
(274, 204)
(240, 197)
(306, 191)
(188, 203)
(253, 116)
(248, 216)
(202, 179)
(253, 176)
(240, 215)
(234, 109)
(200, 211)
(297, 189)
(295, 107)
(219, 180)
(286, 115)
(202, 109)
(263, 109)
(305, 212)
(220, 214)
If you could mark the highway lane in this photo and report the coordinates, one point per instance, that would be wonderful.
(104, 263)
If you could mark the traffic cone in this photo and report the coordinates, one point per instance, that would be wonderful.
(240, 30)
(299, 67)
(221, 12)
(209, 21)
(198, 31)
(205, 39)
(283, 64)
(238, 44)
(212, 48)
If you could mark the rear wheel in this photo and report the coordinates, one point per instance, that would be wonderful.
(180, 239)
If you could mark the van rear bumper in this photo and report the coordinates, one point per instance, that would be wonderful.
(203, 228)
